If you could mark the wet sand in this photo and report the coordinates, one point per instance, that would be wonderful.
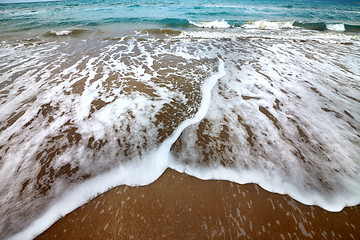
(178, 206)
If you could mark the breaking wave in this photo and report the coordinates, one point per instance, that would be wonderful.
(212, 24)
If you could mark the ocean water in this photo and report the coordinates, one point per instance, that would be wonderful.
(95, 94)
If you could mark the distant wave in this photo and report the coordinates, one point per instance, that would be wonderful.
(64, 28)
(322, 26)
(263, 25)
(274, 25)
(223, 24)
(213, 24)
(174, 22)
(64, 32)
(352, 28)
(338, 27)
(318, 26)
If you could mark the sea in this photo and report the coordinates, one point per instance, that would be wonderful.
(96, 94)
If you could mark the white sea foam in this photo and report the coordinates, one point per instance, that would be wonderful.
(61, 32)
(213, 24)
(319, 94)
(52, 106)
(133, 173)
(266, 25)
(339, 27)
(310, 108)
(289, 34)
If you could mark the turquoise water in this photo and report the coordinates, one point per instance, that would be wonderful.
(175, 14)
(96, 94)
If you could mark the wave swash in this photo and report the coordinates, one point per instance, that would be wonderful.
(89, 106)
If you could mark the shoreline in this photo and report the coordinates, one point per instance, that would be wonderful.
(179, 206)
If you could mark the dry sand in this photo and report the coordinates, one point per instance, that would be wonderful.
(178, 206)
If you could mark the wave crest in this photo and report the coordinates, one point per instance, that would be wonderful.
(265, 25)
(214, 24)
(64, 32)
(338, 27)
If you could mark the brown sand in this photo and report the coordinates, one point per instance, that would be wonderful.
(178, 206)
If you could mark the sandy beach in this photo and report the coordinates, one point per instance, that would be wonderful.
(178, 206)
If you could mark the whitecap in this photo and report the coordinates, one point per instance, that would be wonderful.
(213, 24)
(338, 27)
(265, 25)
(61, 32)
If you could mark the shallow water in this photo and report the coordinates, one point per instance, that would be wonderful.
(86, 108)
